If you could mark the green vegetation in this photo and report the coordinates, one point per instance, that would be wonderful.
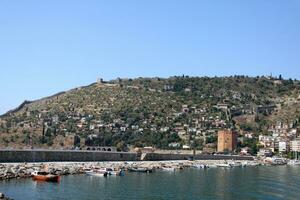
(150, 112)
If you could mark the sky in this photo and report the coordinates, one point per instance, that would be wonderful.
(54, 45)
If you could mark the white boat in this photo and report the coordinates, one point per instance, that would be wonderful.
(225, 165)
(212, 166)
(118, 173)
(253, 164)
(278, 161)
(169, 169)
(112, 172)
(294, 162)
(200, 166)
(141, 170)
(96, 173)
(236, 164)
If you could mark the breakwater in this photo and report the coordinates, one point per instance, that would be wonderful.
(24, 170)
(18, 156)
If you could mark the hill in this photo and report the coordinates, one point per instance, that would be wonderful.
(165, 113)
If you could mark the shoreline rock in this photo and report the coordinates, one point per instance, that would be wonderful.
(24, 170)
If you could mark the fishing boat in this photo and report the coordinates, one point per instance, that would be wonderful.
(276, 161)
(141, 170)
(294, 162)
(253, 164)
(235, 164)
(226, 165)
(113, 172)
(211, 166)
(97, 173)
(44, 176)
(200, 166)
(169, 169)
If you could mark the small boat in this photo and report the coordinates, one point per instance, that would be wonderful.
(97, 173)
(141, 170)
(236, 164)
(112, 172)
(44, 176)
(200, 166)
(294, 162)
(278, 161)
(253, 164)
(169, 169)
(212, 166)
(224, 165)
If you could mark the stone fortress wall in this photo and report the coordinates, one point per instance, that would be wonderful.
(7, 156)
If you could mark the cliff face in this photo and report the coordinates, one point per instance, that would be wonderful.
(150, 112)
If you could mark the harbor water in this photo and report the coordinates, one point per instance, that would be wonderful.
(250, 183)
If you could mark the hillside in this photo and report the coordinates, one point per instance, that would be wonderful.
(164, 113)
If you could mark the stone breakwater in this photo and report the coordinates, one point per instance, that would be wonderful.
(24, 170)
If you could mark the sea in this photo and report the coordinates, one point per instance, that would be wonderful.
(249, 183)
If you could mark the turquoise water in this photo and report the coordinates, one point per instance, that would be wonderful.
(267, 183)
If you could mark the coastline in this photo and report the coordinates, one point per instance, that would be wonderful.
(165, 184)
(24, 170)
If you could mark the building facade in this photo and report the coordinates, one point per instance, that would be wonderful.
(227, 140)
(295, 145)
(283, 147)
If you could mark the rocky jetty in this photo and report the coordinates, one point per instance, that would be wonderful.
(24, 170)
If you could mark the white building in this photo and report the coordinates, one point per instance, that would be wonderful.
(282, 147)
(295, 145)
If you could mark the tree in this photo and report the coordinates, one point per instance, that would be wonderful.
(212, 139)
(48, 133)
(76, 140)
(42, 139)
(121, 146)
(27, 139)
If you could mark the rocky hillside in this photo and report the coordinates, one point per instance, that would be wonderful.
(165, 113)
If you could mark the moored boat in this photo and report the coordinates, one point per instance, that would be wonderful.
(113, 172)
(226, 165)
(211, 166)
(141, 170)
(200, 166)
(275, 161)
(236, 164)
(45, 176)
(97, 173)
(169, 169)
(294, 162)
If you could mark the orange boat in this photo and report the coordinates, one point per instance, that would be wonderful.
(44, 176)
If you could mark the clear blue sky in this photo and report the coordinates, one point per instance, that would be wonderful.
(52, 45)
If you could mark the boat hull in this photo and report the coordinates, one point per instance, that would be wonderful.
(97, 174)
(168, 169)
(141, 170)
(48, 178)
(224, 165)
